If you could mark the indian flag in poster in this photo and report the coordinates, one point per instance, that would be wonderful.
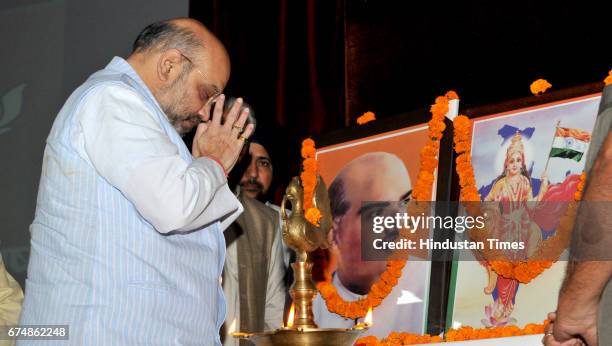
(570, 143)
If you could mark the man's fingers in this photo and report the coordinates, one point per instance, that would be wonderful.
(232, 114)
(244, 115)
(549, 340)
(238, 125)
(195, 146)
(202, 127)
(248, 131)
(204, 112)
(563, 336)
(552, 316)
(590, 337)
(218, 111)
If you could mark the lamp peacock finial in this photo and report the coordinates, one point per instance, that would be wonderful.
(298, 232)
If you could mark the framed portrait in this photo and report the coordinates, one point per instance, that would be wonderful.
(533, 154)
(381, 167)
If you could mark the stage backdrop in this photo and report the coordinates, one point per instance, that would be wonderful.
(475, 299)
(382, 167)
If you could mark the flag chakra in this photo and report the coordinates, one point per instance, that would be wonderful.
(570, 143)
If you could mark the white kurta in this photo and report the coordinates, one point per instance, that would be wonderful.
(127, 243)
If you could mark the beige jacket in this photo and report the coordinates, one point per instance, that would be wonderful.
(11, 297)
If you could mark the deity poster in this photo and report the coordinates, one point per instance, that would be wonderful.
(383, 167)
(528, 155)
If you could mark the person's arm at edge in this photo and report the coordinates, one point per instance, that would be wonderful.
(586, 280)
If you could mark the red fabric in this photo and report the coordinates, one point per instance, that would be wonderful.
(552, 207)
(506, 290)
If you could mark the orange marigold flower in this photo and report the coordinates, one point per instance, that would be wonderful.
(608, 79)
(308, 142)
(313, 215)
(325, 289)
(367, 341)
(452, 95)
(308, 152)
(440, 106)
(308, 181)
(310, 165)
(436, 338)
(540, 86)
(462, 147)
(577, 195)
(531, 328)
(436, 126)
(366, 118)
(461, 122)
(429, 163)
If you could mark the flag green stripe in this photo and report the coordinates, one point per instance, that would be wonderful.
(566, 154)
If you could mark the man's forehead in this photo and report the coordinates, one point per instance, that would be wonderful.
(375, 185)
(215, 66)
(258, 151)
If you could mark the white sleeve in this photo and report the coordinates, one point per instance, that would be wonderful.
(275, 290)
(126, 144)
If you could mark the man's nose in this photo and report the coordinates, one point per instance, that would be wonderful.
(252, 170)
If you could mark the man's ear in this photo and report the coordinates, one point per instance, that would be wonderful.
(168, 65)
(334, 234)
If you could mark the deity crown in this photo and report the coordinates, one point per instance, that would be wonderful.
(516, 145)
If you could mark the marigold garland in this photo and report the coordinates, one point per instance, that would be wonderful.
(461, 334)
(313, 215)
(540, 86)
(551, 248)
(366, 118)
(308, 178)
(395, 338)
(469, 333)
(356, 309)
(452, 95)
(608, 79)
(420, 192)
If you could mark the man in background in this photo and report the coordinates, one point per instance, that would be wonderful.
(372, 177)
(257, 181)
(253, 271)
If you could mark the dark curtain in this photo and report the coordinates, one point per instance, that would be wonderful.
(402, 54)
(287, 62)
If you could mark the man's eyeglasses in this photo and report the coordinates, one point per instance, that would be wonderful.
(210, 99)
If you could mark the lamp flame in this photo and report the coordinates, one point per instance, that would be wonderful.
(291, 316)
(232, 327)
(368, 317)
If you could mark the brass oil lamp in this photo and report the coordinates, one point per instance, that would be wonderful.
(303, 238)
